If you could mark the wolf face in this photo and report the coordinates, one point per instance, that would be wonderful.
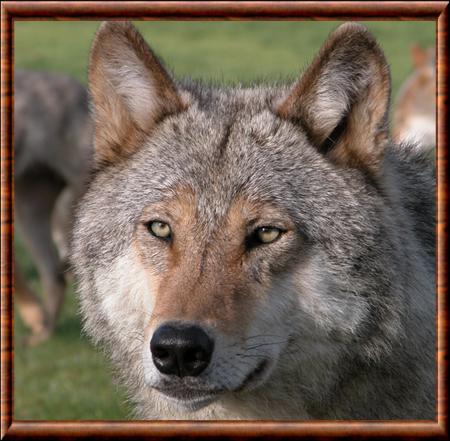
(239, 245)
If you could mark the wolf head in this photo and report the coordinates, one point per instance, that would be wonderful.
(232, 236)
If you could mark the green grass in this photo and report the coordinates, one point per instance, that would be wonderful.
(65, 378)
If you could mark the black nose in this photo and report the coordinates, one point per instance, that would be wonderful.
(182, 350)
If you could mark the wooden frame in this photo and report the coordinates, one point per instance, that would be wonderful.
(198, 10)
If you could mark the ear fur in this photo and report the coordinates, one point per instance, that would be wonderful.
(342, 99)
(420, 56)
(130, 89)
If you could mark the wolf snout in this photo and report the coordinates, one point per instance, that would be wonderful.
(181, 350)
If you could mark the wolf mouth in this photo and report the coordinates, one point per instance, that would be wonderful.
(187, 394)
(201, 397)
(180, 391)
(191, 398)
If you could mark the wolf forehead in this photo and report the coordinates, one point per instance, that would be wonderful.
(227, 142)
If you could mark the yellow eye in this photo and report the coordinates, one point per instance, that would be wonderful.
(268, 234)
(159, 229)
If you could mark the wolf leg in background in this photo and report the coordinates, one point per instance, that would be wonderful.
(260, 252)
(30, 308)
(62, 220)
(35, 199)
(52, 147)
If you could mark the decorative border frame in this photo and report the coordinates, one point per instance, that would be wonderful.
(12, 11)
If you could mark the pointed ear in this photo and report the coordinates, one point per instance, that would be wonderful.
(130, 89)
(421, 56)
(342, 99)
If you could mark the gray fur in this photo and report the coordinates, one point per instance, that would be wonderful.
(360, 333)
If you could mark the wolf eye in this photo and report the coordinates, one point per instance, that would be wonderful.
(159, 229)
(268, 234)
(263, 236)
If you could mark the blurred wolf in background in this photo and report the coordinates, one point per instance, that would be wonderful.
(52, 156)
(262, 251)
(415, 107)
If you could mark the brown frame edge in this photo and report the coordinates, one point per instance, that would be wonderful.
(217, 10)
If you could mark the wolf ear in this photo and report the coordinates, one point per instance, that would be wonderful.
(342, 99)
(420, 56)
(130, 89)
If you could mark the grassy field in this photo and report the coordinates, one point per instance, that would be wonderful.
(65, 378)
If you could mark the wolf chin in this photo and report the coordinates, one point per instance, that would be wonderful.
(261, 251)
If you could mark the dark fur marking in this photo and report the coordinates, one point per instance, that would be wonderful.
(221, 148)
(201, 268)
(332, 139)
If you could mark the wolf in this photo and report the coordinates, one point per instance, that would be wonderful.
(260, 251)
(415, 107)
(53, 134)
